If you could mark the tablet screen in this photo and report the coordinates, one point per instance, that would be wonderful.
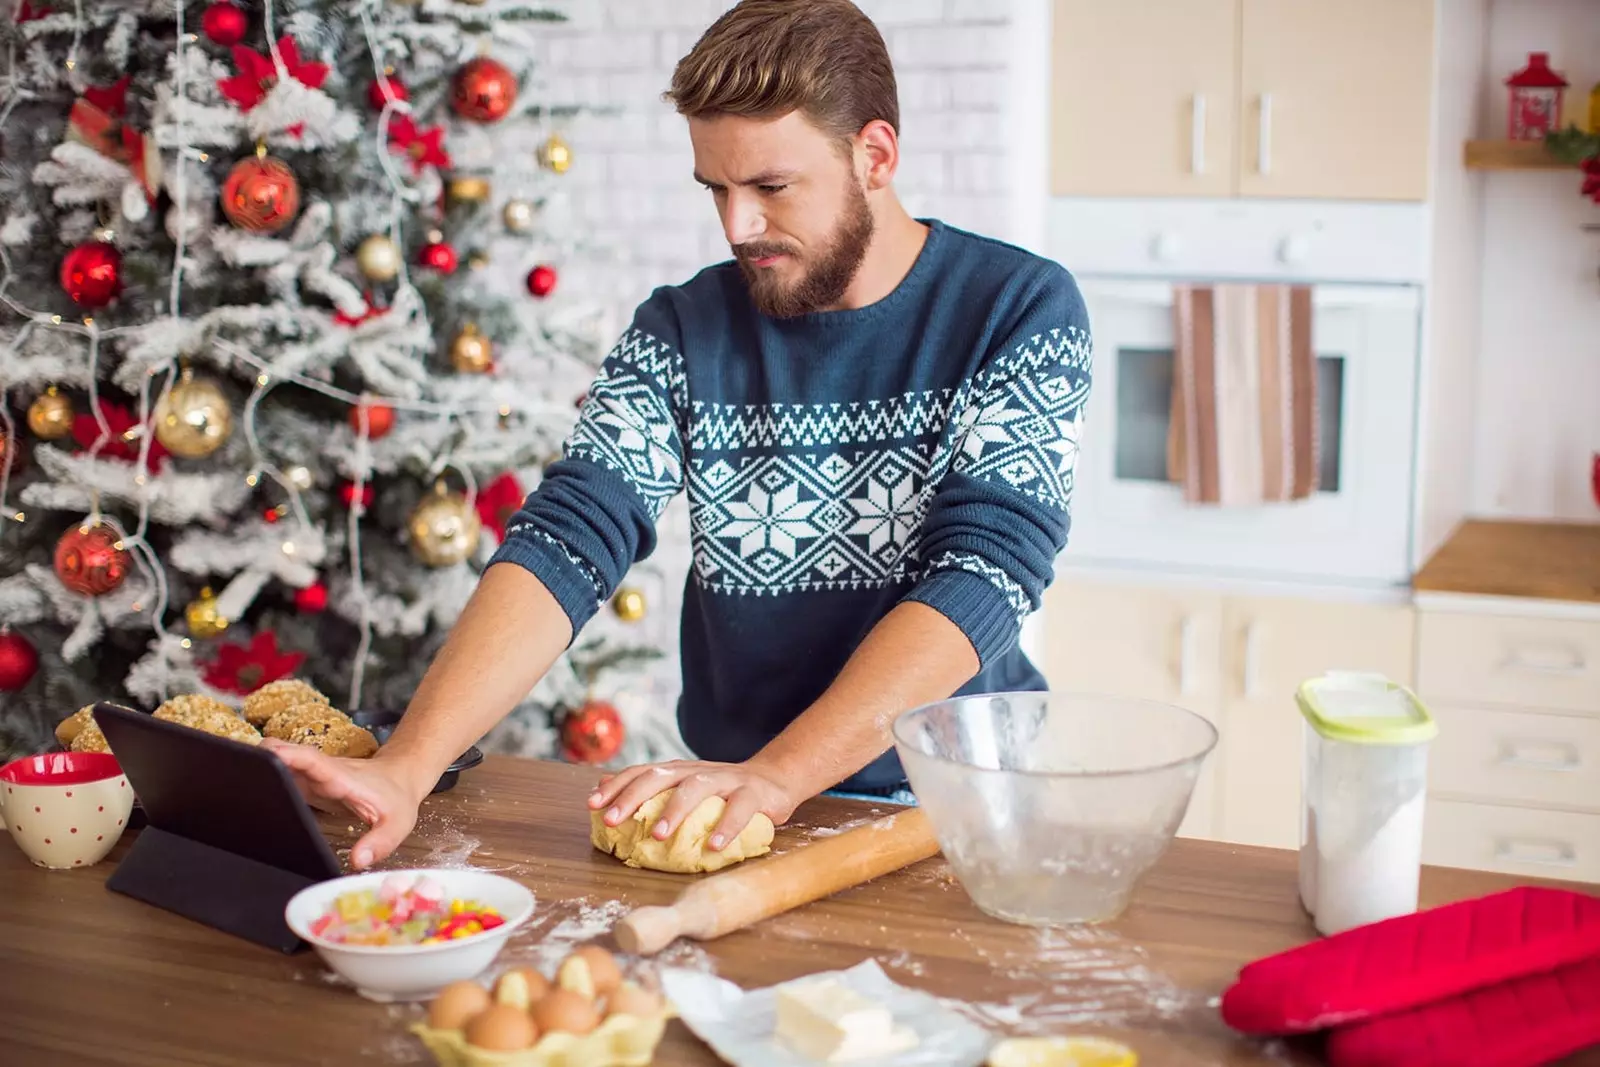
(217, 791)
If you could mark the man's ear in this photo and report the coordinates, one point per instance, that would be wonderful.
(877, 151)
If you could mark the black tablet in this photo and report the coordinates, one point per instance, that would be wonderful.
(229, 837)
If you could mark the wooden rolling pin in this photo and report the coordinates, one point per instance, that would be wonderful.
(734, 899)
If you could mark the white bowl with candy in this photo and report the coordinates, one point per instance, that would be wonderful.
(405, 935)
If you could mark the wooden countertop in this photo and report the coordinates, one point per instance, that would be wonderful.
(89, 977)
(1542, 560)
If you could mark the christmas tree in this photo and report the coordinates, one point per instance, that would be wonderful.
(282, 345)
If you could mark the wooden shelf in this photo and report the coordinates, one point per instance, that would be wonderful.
(1511, 155)
(1543, 560)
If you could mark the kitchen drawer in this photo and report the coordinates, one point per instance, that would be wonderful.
(1520, 841)
(1517, 756)
(1520, 661)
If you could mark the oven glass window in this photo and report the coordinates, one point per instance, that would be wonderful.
(1144, 415)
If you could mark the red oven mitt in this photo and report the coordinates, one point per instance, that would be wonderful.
(1411, 960)
(1521, 1023)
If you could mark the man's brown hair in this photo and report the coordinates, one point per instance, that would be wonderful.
(765, 58)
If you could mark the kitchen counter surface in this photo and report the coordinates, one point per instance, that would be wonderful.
(1538, 560)
(89, 977)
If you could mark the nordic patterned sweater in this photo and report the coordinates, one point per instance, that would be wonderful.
(837, 463)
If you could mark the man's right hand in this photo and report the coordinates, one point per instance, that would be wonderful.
(381, 793)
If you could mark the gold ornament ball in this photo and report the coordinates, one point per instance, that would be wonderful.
(203, 618)
(194, 419)
(629, 604)
(378, 258)
(518, 215)
(555, 154)
(50, 416)
(444, 529)
(468, 188)
(299, 476)
(471, 352)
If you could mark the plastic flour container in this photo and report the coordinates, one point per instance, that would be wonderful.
(1364, 787)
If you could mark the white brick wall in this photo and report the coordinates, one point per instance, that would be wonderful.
(631, 184)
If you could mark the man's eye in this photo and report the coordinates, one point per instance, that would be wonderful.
(771, 189)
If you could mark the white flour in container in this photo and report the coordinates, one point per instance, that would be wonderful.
(1367, 874)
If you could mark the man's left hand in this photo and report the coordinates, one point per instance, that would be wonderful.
(744, 786)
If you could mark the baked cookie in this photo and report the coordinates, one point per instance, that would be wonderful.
(73, 725)
(90, 739)
(284, 724)
(344, 739)
(232, 727)
(194, 710)
(281, 695)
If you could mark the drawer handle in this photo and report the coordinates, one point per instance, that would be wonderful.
(1540, 755)
(1186, 630)
(1564, 663)
(1197, 135)
(1264, 136)
(1549, 853)
(1251, 668)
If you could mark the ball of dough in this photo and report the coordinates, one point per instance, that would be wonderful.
(261, 705)
(685, 850)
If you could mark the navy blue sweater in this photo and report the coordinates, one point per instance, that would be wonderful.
(837, 464)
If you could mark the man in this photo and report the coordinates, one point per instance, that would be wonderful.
(875, 419)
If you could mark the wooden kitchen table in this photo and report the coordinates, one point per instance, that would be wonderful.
(89, 977)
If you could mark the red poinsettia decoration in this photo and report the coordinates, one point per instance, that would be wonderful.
(27, 12)
(96, 120)
(257, 74)
(243, 669)
(425, 148)
(498, 501)
(120, 445)
(352, 321)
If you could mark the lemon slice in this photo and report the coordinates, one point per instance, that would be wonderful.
(1061, 1052)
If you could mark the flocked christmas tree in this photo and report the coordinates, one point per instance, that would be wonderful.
(266, 395)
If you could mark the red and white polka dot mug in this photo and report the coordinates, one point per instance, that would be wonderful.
(65, 809)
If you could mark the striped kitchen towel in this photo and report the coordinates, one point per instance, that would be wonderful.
(1244, 405)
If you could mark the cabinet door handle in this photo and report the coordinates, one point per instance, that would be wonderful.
(1565, 663)
(1540, 755)
(1548, 853)
(1197, 134)
(1251, 668)
(1186, 655)
(1264, 135)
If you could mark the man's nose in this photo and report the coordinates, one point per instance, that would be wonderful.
(742, 218)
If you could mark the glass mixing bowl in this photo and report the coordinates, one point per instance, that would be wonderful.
(1050, 807)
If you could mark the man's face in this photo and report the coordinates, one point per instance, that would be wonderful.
(792, 206)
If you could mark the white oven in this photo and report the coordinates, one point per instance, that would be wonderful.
(1363, 264)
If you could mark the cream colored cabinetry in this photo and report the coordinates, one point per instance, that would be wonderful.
(1257, 98)
(1234, 659)
(1514, 776)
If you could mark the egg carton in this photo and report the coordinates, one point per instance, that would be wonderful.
(619, 1041)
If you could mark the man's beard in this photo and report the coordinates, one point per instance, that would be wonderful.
(825, 279)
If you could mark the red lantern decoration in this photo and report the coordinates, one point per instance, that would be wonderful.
(224, 24)
(1534, 100)
(440, 256)
(592, 734)
(261, 195)
(375, 91)
(90, 560)
(19, 661)
(483, 90)
(379, 419)
(313, 599)
(92, 274)
(541, 280)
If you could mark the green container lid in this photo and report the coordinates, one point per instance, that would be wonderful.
(1364, 709)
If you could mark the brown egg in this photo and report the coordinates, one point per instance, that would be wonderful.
(455, 1004)
(564, 1010)
(629, 999)
(501, 1028)
(520, 987)
(603, 969)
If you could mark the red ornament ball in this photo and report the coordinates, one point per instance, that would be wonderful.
(312, 599)
(440, 256)
(261, 195)
(483, 90)
(224, 24)
(541, 280)
(13, 454)
(91, 560)
(379, 418)
(592, 734)
(375, 93)
(347, 493)
(19, 661)
(92, 274)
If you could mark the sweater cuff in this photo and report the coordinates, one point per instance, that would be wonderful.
(570, 580)
(975, 602)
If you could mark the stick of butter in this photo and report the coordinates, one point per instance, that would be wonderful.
(826, 1020)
